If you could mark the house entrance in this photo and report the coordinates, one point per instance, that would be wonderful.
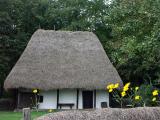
(87, 99)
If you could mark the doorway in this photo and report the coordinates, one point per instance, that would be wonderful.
(87, 99)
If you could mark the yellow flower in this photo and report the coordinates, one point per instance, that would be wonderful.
(154, 99)
(127, 84)
(35, 91)
(110, 90)
(137, 97)
(136, 88)
(50, 110)
(155, 93)
(110, 86)
(116, 85)
(123, 93)
(125, 89)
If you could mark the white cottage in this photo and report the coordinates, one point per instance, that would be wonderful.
(70, 70)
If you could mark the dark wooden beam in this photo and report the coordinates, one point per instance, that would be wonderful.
(57, 97)
(18, 98)
(77, 98)
(94, 98)
(1, 90)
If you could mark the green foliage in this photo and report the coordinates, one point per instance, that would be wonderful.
(134, 47)
(138, 96)
(145, 92)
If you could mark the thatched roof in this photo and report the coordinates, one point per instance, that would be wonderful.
(62, 59)
(106, 114)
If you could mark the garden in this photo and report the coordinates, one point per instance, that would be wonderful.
(139, 96)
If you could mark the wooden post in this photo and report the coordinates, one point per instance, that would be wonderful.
(26, 114)
(57, 98)
(18, 99)
(54, 28)
(94, 98)
(77, 99)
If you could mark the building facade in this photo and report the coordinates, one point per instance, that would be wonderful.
(70, 69)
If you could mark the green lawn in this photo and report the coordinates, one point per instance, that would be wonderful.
(18, 115)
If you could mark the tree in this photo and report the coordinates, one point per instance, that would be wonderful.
(134, 47)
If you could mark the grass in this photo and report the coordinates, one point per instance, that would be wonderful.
(18, 115)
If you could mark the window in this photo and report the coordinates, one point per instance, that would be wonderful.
(40, 99)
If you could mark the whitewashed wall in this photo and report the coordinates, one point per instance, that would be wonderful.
(68, 96)
(49, 100)
(101, 96)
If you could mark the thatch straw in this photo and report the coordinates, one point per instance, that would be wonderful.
(106, 114)
(62, 59)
